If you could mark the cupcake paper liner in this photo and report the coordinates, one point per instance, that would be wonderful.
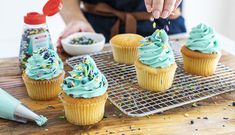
(81, 111)
(198, 63)
(155, 79)
(126, 55)
(43, 89)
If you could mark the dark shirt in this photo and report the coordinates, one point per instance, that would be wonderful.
(103, 24)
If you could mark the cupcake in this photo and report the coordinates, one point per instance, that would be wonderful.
(201, 53)
(124, 47)
(155, 67)
(84, 93)
(43, 75)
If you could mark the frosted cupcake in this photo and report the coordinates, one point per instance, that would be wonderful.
(43, 75)
(156, 65)
(84, 93)
(202, 51)
(124, 47)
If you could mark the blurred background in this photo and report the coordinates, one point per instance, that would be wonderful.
(217, 13)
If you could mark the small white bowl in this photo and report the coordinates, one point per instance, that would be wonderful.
(75, 50)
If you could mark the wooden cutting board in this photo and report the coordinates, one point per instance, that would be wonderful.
(212, 116)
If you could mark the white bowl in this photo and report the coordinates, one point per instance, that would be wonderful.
(83, 49)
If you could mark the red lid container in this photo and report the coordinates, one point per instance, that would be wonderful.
(51, 7)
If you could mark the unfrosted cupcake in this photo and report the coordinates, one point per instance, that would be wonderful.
(43, 75)
(156, 65)
(201, 53)
(124, 47)
(84, 93)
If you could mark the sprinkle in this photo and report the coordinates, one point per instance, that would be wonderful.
(194, 105)
(169, 22)
(167, 28)
(79, 67)
(154, 25)
(186, 115)
(61, 117)
(233, 104)
(225, 118)
(97, 79)
(50, 107)
(223, 125)
(148, 116)
(191, 122)
(44, 66)
(165, 46)
(112, 132)
(205, 118)
(79, 77)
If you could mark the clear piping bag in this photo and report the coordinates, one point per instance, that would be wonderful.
(13, 109)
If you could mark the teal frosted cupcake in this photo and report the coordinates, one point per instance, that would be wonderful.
(202, 51)
(43, 74)
(84, 93)
(155, 67)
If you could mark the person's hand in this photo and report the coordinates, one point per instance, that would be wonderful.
(73, 27)
(161, 8)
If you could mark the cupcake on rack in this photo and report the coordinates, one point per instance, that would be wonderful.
(202, 51)
(155, 67)
(43, 74)
(84, 93)
(124, 47)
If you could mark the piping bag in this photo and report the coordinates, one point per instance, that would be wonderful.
(13, 109)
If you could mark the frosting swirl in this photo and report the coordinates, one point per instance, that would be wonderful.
(44, 64)
(85, 80)
(202, 38)
(155, 50)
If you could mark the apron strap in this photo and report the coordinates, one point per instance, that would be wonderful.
(128, 18)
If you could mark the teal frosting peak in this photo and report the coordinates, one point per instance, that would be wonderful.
(202, 38)
(44, 64)
(41, 120)
(155, 50)
(85, 80)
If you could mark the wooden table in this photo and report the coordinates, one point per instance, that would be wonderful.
(214, 116)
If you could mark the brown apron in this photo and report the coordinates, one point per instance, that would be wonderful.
(128, 18)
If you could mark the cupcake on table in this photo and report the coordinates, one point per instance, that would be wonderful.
(84, 93)
(202, 51)
(156, 65)
(43, 75)
(124, 47)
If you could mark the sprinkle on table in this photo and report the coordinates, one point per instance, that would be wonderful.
(186, 115)
(61, 117)
(233, 104)
(191, 122)
(50, 107)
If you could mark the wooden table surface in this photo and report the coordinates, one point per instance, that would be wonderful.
(215, 116)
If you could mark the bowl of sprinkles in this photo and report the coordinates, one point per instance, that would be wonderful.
(83, 43)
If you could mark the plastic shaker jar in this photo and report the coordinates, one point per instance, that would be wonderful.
(35, 31)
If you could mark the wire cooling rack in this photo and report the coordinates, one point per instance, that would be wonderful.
(132, 100)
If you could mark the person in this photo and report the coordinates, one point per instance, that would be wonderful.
(111, 17)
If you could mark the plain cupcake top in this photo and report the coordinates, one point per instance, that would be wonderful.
(85, 80)
(126, 40)
(155, 50)
(202, 38)
(44, 64)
